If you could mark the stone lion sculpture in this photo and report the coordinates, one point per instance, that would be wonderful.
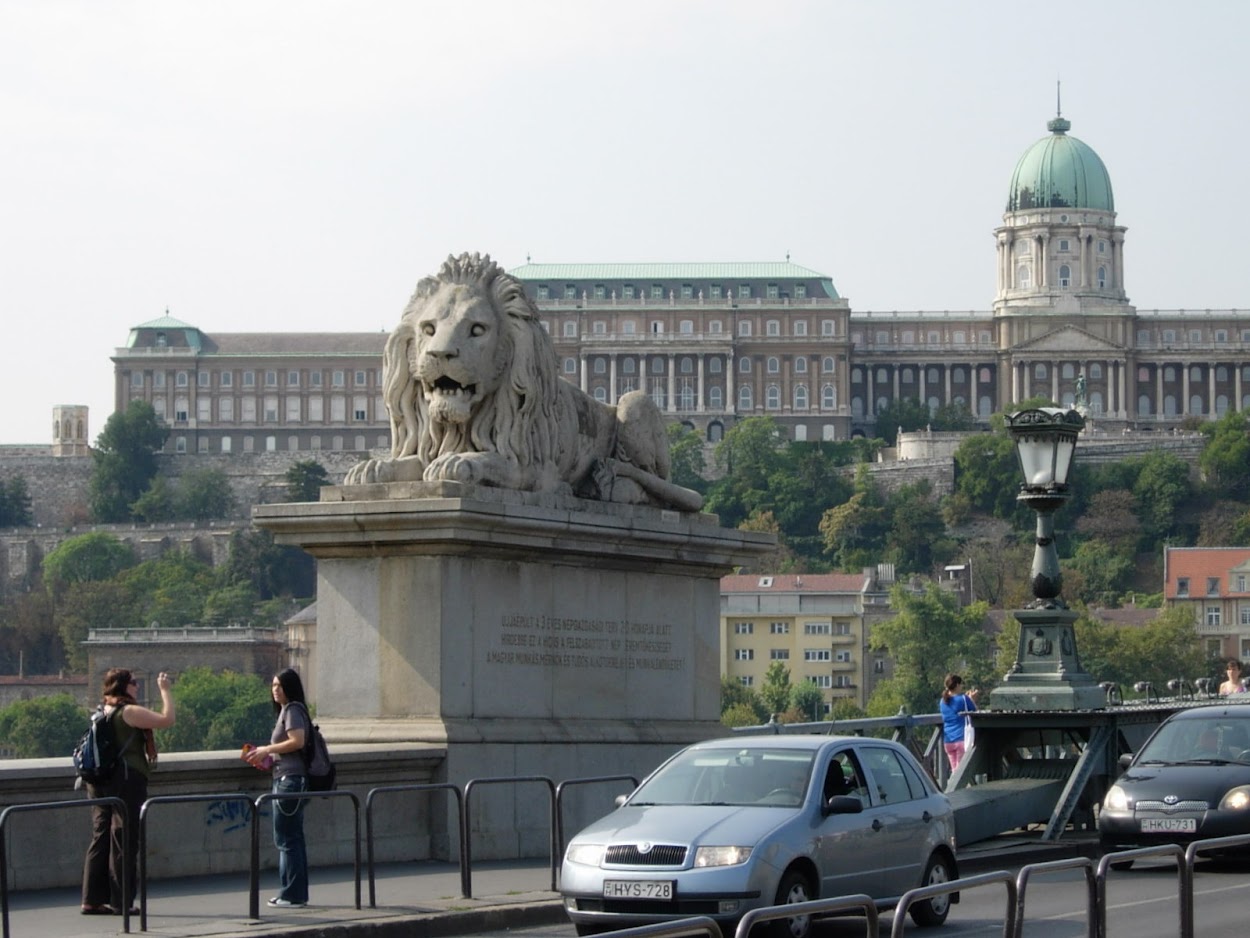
(471, 383)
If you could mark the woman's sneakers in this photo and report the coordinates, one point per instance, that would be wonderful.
(279, 903)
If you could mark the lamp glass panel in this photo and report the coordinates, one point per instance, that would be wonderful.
(1064, 448)
(1037, 460)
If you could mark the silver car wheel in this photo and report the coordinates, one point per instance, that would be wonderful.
(793, 889)
(933, 911)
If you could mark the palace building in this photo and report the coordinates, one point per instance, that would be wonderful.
(713, 343)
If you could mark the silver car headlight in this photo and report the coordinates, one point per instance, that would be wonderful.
(1236, 799)
(585, 854)
(1116, 799)
(720, 856)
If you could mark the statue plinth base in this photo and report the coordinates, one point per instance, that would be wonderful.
(532, 634)
(1048, 674)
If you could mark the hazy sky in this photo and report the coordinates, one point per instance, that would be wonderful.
(264, 166)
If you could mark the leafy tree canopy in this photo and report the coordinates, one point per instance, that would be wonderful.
(15, 505)
(304, 480)
(775, 692)
(928, 637)
(1227, 454)
(125, 460)
(218, 711)
(86, 558)
(42, 727)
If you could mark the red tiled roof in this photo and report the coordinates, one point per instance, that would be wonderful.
(1198, 564)
(793, 583)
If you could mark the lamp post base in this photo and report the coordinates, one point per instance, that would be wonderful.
(1047, 674)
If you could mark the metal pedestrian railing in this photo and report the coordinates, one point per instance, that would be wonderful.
(253, 902)
(466, 839)
(127, 833)
(1014, 918)
(389, 789)
(146, 809)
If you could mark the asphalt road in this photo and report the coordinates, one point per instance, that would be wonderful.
(1141, 903)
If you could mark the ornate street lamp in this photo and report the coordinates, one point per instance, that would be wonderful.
(1047, 674)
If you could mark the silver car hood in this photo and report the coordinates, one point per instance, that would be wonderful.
(713, 825)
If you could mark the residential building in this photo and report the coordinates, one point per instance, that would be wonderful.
(1214, 582)
(817, 625)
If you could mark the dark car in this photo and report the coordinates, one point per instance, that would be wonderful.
(1190, 781)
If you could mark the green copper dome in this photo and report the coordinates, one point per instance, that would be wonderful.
(1060, 172)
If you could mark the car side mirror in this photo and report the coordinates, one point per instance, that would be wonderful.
(1125, 760)
(841, 804)
(620, 800)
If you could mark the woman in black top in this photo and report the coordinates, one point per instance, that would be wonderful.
(290, 775)
(132, 727)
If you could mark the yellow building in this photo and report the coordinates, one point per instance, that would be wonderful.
(817, 625)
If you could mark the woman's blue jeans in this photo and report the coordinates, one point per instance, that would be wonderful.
(288, 837)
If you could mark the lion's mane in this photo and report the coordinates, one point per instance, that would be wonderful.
(519, 420)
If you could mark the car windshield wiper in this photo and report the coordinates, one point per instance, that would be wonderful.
(1205, 760)
(1154, 762)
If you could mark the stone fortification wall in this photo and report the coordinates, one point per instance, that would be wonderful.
(59, 486)
(892, 476)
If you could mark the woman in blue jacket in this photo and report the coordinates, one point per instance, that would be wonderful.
(954, 707)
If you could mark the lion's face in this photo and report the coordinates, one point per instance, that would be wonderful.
(455, 355)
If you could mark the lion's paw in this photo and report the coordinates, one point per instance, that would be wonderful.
(369, 471)
(457, 467)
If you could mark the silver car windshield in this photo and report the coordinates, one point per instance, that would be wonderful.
(750, 775)
(1217, 739)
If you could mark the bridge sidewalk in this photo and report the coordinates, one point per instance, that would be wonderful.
(413, 899)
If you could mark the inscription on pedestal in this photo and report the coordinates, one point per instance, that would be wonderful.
(611, 644)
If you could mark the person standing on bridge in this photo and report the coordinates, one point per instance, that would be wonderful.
(290, 776)
(132, 727)
(955, 708)
(1234, 683)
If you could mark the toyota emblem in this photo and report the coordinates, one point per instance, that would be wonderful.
(1171, 799)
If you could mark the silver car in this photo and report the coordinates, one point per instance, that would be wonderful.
(741, 823)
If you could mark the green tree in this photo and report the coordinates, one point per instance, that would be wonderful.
(929, 636)
(809, 700)
(157, 503)
(15, 504)
(916, 537)
(1105, 573)
(101, 604)
(271, 569)
(740, 714)
(1227, 454)
(86, 558)
(218, 711)
(775, 691)
(734, 694)
(204, 495)
(125, 460)
(854, 532)
(905, 414)
(44, 726)
(1111, 518)
(1162, 487)
(304, 480)
(953, 417)
(685, 453)
(748, 457)
(987, 473)
(171, 590)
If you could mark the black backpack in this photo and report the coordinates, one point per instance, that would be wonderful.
(321, 769)
(97, 754)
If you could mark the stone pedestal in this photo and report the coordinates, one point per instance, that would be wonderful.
(1047, 674)
(530, 634)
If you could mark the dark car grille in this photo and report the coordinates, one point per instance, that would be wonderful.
(658, 855)
(1181, 807)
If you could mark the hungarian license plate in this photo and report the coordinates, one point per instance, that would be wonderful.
(638, 889)
(1169, 825)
